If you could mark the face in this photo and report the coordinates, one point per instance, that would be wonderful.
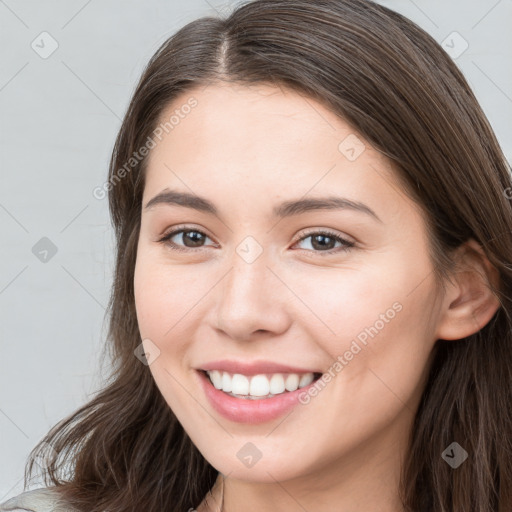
(343, 289)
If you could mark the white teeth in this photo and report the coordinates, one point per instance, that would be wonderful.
(226, 383)
(258, 386)
(239, 384)
(216, 378)
(277, 384)
(292, 382)
(306, 380)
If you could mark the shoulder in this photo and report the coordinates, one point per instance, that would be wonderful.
(45, 499)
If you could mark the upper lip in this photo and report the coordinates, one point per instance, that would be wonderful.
(253, 368)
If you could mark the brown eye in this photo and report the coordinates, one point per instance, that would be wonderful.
(324, 242)
(190, 238)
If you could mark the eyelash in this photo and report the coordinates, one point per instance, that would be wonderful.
(347, 245)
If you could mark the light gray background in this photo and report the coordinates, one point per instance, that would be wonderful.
(59, 117)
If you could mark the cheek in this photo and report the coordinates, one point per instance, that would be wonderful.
(170, 301)
(341, 302)
(164, 299)
(380, 316)
(163, 293)
(375, 326)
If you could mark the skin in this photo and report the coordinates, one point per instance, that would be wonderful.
(247, 149)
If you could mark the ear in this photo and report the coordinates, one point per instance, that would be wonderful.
(469, 303)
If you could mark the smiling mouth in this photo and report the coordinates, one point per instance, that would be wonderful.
(258, 387)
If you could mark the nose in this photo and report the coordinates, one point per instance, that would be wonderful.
(252, 300)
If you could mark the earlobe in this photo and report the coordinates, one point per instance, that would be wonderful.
(469, 302)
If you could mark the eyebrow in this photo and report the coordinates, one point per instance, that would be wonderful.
(285, 209)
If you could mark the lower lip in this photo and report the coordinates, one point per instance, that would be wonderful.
(243, 410)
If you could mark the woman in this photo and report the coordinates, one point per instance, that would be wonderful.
(312, 300)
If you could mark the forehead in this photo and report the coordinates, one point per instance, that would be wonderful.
(260, 142)
(249, 117)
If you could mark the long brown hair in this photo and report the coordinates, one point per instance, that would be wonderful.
(125, 450)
